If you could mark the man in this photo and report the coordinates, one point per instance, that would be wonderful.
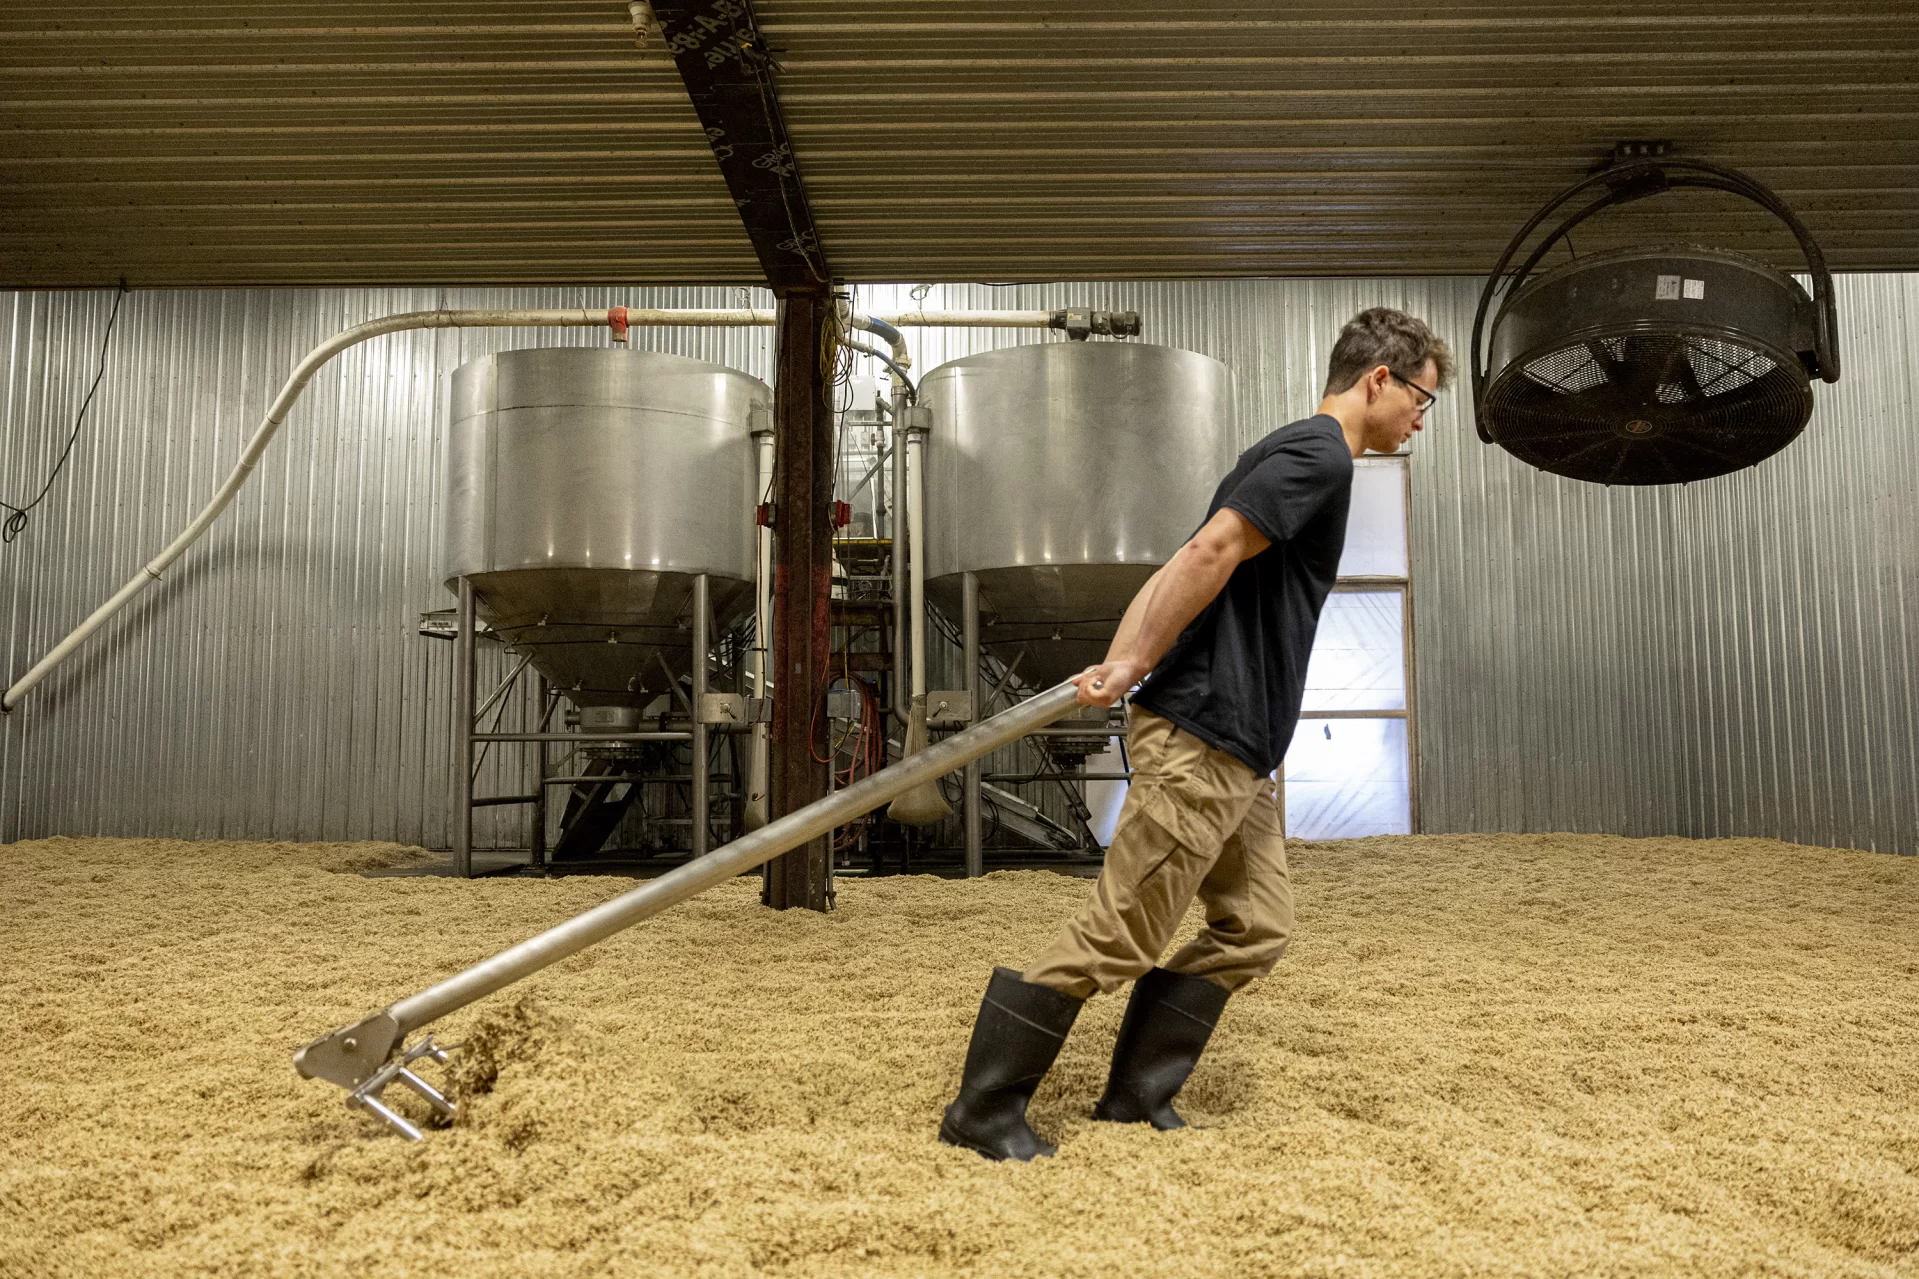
(1220, 636)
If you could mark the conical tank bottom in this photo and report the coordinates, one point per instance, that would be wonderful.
(1052, 620)
(605, 637)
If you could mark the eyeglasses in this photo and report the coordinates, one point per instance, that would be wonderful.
(1426, 399)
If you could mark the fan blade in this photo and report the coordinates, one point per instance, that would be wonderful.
(1617, 399)
(1654, 452)
(1731, 408)
(1601, 442)
(1688, 375)
(1648, 366)
(1743, 366)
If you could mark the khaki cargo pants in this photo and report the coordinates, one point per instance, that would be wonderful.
(1196, 821)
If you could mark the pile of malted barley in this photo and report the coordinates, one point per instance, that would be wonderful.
(1548, 1055)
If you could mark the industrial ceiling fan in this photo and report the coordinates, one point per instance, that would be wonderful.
(1651, 365)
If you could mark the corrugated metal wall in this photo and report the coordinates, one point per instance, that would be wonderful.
(274, 686)
(1726, 658)
(1729, 658)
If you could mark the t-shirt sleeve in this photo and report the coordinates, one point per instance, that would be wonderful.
(1289, 487)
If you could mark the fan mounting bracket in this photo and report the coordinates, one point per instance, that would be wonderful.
(1627, 152)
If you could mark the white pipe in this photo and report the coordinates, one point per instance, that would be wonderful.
(902, 666)
(757, 770)
(973, 319)
(655, 318)
(748, 318)
(616, 318)
(916, 539)
(923, 805)
(897, 530)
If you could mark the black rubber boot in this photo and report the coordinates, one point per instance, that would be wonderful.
(1019, 1032)
(1168, 1021)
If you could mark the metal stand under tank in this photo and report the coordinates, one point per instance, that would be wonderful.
(599, 520)
(1059, 478)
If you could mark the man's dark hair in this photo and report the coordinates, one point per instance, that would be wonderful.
(1382, 335)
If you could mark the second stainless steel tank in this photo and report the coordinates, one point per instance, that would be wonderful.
(1062, 475)
(586, 488)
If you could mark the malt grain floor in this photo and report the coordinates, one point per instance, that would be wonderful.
(1548, 1055)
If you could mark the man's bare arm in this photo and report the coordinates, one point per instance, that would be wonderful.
(1168, 603)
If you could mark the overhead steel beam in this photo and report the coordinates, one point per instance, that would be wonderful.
(730, 75)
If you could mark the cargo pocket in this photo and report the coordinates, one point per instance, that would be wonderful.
(1197, 794)
(1142, 842)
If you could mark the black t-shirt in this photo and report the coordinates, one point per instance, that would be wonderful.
(1237, 675)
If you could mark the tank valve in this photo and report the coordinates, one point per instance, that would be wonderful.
(1080, 325)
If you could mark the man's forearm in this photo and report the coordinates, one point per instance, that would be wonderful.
(1167, 605)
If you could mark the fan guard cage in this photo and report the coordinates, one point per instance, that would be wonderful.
(1650, 366)
(1637, 399)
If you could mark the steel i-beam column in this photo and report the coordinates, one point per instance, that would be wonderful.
(732, 79)
(802, 590)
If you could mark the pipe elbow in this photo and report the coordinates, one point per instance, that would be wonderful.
(880, 328)
(891, 336)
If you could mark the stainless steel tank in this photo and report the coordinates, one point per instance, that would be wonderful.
(1062, 475)
(586, 488)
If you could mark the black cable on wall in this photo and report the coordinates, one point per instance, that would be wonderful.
(16, 521)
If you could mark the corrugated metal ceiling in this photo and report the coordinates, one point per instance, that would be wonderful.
(310, 143)
(361, 141)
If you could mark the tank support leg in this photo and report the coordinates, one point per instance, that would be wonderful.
(462, 747)
(701, 643)
(969, 777)
(536, 830)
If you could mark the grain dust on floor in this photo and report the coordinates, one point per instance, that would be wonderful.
(1539, 1055)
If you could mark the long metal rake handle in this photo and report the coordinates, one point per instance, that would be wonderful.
(353, 1054)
